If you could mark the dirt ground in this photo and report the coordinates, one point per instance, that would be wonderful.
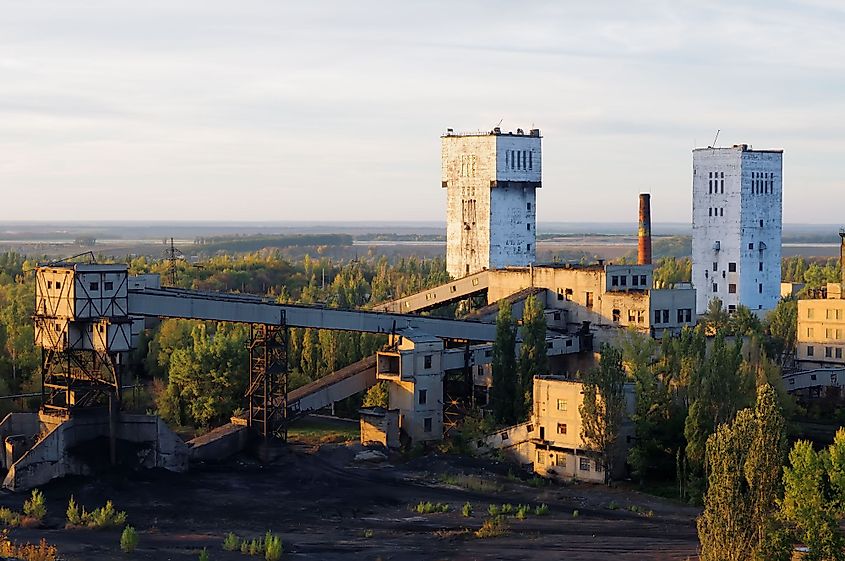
(327, 507)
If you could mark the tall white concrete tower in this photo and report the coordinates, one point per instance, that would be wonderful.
(491, 181)
(737, 222)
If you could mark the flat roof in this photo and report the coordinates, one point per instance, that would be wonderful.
(532, 133)
(738, 147)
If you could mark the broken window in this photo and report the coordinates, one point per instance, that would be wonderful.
(427, 424)
(561, 405)
(108, 285)
(642, 280)
(584, 464)
(811, 350)
(561, 428)
(665, 316)
(657, 316)
(616, 315)
(731, 289)
(614, 280)
(623, 280)
(427, 361)
(731, 267)
(94, 286)
(588, 299)
(715, 287)
(423, 397)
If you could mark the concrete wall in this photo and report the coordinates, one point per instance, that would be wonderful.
(24, 425)
(51, 458)
(737, 205)
(380, 426)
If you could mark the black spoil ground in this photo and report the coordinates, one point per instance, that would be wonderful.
(327, 507)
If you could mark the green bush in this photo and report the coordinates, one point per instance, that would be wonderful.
(466, 510)
(104, 517)
(541, 510)
(231, 543)
(522, 512)
(9, 517)
(254, 547)
(272, 547)
(73, 518)
(429, 507)
(128, 540)
(35, 507)
(507, 509)
(575, 513)
(493, 510)
(244, 547)
(203, 555)
(613, 505)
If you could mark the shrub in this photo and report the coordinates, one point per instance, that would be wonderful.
(35, 507)
(429, 507)
(466, 510)
(537, 482)
(522, 512)
(9, 517)
(104, 517)
(128, 540)
(244, 547)
(493, 510)
(73, 518)
(507, 508)
(203, 555)
(492, 527)
(27, 552)
(613, 505)
(231, 543)
(273, 547)
(368, 533)
(575, 513)
(541, 510)
(254, 547)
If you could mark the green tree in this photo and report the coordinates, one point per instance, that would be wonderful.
(504, 367)
(717, 389)
(715, 319)
(782, 331)
(744, 461)
(532, 355)
(603, 408)
(814, 498)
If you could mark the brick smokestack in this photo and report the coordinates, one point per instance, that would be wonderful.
(644, 231)
(842, 255)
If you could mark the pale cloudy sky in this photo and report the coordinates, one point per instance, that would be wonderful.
(332, 110)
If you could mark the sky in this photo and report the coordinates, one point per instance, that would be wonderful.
(332, 110)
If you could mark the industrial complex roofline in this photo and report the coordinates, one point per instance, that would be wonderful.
(216, 306)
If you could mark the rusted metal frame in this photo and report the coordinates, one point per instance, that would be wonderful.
(268, 380)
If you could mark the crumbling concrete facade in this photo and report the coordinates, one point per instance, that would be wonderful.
(737, 222)
(491, 181)
(608, 296)
(551, 440)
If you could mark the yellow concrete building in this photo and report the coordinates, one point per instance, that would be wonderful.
(821, 329)
(551, 440)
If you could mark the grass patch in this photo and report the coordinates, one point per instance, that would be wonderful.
(466, 510)
(613, 505)
(522, 512)
(648, 513)
(542, 510)
(314, 431)
(471, 483)
(492, 528)
(430, 508)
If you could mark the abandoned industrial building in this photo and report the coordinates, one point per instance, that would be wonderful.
(90, 316)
